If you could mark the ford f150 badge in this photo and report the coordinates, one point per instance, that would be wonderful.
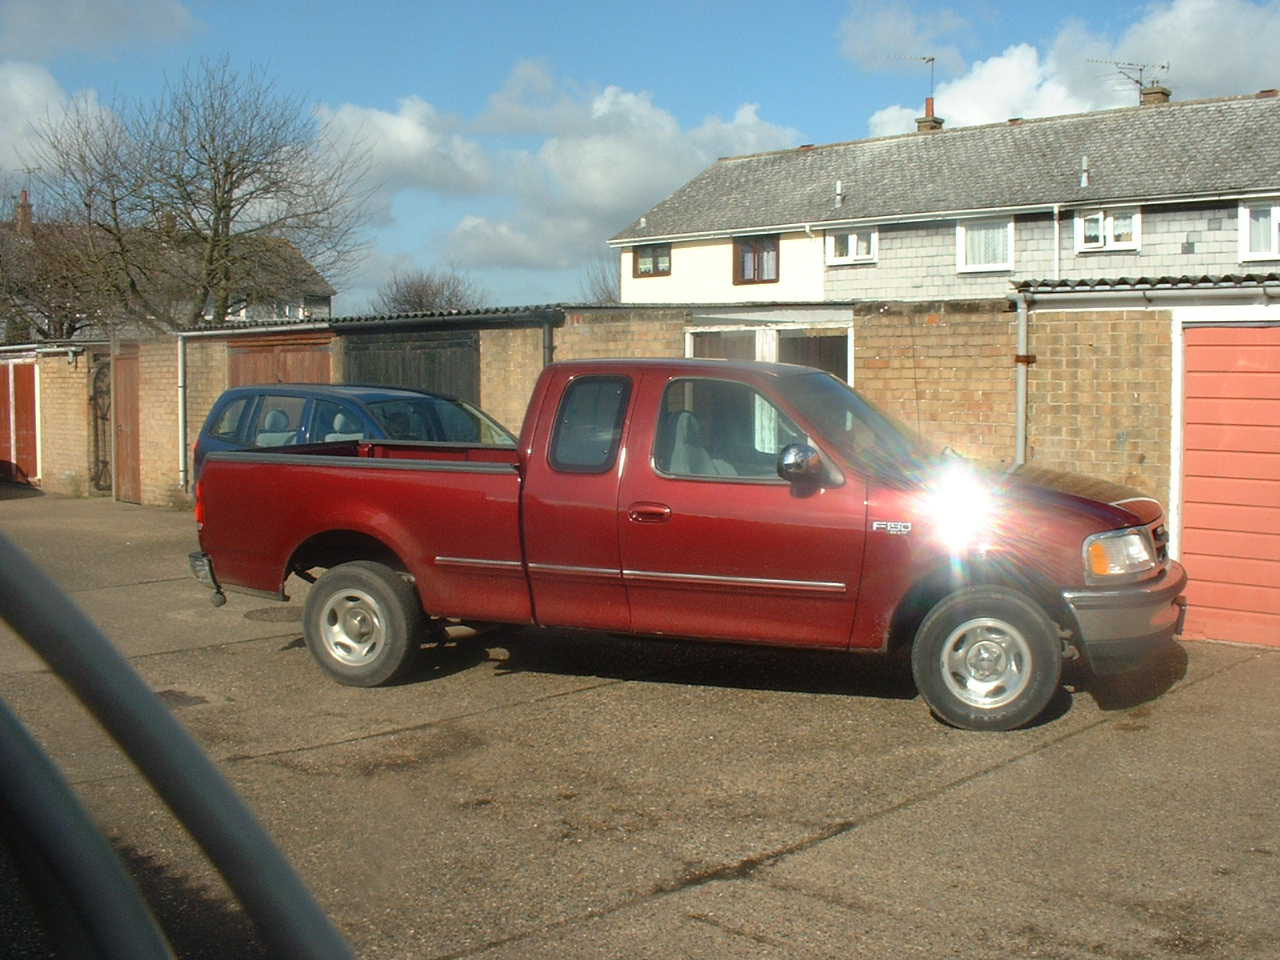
(897, 528)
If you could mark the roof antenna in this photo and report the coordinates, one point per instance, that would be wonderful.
(1133, 72)
(930, 60)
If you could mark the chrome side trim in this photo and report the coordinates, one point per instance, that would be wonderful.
(819, 586)
(363, 463)
(556, 568)
(505, 566)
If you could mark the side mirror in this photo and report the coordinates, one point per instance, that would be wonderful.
(800, 463)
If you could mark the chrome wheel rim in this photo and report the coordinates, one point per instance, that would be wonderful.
(353, 628)
(986, 663)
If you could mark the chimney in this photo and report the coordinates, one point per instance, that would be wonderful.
(1154, 94)
(22, 216)
(928, 123)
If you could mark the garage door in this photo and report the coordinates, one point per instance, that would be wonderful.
(1231, 483)
(18, 450)
(295, 358)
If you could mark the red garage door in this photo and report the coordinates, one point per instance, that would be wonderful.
(1231, 483)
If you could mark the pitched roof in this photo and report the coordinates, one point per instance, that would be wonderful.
(1179, 149)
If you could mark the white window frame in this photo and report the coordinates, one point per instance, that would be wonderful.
(1107, 229)
(964, 267)
(1274, 252)
(873, 243)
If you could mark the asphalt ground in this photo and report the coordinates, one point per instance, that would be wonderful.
(537, 794)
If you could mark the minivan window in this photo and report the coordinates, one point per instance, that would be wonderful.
(227, 426)
(277, 421)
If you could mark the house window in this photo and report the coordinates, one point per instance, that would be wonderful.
(1260, 231)
(984, 245)
(755, 259)
(851, 246)
(651, 260)
(1118, 229)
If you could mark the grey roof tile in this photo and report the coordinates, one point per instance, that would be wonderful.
(1188, 148)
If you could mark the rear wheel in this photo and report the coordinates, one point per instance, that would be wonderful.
(987, 658)
(363, 623)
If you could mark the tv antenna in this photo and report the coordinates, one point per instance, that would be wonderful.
(929, 60)
(1133, 72)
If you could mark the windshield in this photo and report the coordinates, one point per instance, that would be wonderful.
(438, 419)
(854, 426)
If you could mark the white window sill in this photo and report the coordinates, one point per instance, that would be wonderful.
(995, 268)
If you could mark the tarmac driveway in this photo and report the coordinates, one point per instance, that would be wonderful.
(544, 794)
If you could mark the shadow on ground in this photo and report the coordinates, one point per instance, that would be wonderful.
(700, 664)
(18, 491)
(200, 925)
(1149, 682)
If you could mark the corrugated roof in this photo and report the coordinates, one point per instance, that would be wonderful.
(1234, 281)
(1179, 149)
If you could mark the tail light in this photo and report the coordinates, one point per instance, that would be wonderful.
(199, 505)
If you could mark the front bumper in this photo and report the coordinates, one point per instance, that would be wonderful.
(1121, 626)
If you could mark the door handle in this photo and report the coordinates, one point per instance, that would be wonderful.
(649, 512)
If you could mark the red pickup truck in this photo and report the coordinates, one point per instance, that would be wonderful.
(747, 502)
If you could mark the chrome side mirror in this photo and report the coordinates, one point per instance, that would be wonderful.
(799, 462)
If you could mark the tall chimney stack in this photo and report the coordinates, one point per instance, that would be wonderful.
(22, 216)
(928, 123)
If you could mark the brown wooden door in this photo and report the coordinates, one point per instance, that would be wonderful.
(19, 454)
(124, 408)
(299, 359)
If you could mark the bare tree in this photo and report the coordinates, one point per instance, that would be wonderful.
(428, 291)
(220, 193)
(600, 282)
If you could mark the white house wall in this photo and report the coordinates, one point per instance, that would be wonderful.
(702, 272)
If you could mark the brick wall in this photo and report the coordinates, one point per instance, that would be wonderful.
(206, 379)
(510, 361)
(944, 368)
(158, 430)
(1099, 395)
(66, 424)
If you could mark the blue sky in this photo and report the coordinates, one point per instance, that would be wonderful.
(510, 141)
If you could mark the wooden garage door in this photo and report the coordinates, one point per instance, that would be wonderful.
(1231, 483)
(18, 445)
(284, 359)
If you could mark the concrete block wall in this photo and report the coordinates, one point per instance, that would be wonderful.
(66, 424)
(943, 368)
(1099, 395)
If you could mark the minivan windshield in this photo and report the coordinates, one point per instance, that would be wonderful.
(438, 419)
(854, 426)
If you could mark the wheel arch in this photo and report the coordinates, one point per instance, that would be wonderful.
(956, 573)
(333, 547)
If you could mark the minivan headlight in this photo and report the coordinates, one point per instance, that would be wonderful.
(1118, 556)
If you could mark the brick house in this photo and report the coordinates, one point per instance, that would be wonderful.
(1097, 292)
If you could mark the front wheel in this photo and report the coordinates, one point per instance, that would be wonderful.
(987, 658)
(363, 623)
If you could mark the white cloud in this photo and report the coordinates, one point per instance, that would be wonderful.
(880, 36)
(37, 29)
(416, 146)
(1213, 48)
(28, 95)
(606, 158)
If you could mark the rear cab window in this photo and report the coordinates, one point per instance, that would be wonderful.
(588, 428)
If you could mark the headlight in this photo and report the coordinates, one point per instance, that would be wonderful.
(1118, 556)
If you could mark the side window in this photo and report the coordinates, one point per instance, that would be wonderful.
(718, 428)
(589, 424)
(277, 421)
(227, 426)
(332, 421)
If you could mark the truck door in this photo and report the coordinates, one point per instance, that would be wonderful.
(714, 543)
(571, 503)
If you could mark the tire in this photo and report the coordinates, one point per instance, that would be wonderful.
(363, 624)
(987, 658)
